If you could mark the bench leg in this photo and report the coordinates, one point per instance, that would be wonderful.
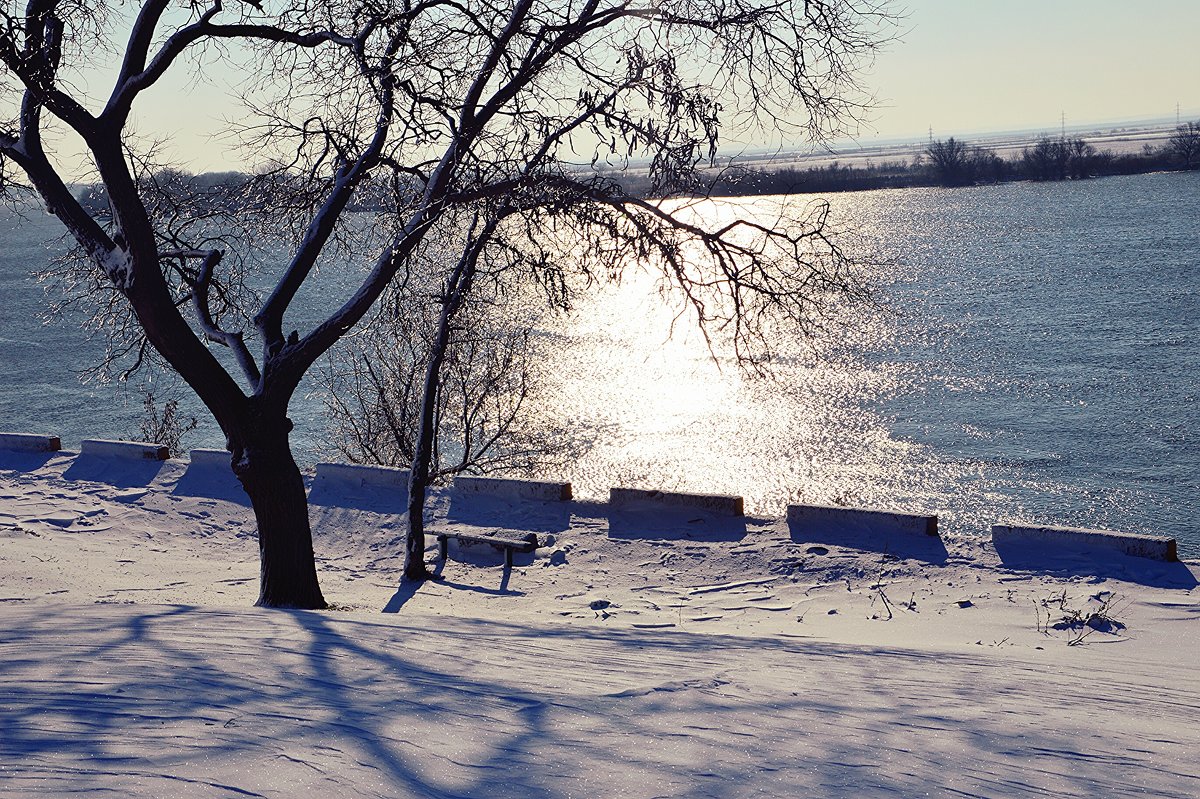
(443, 546)
(508, 557)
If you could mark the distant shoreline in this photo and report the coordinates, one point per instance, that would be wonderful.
(1120, 139)
(988, 160)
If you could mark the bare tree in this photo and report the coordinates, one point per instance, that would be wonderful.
(1046, 160)
(1184, 144)
(486, 411)
(951, 161)
(164, 424)
(1081, 158)
(1059, 159)
(459, 115)
(955, 163)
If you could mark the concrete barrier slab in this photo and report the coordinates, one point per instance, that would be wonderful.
(358, 475)
(211, 458)
(724, 504)
(140, 450)
(29, 442)
(1156, 547)
(863, 521)
(512, 488)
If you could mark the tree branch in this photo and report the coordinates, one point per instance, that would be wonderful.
(233, 340)
(130, 85)
(36, 64)
(269, 319)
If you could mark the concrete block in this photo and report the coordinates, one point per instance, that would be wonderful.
(211, 459)
(1156, 547)
(714, 503)
(357, 475)
(141, 450)
(874, 523)
(512, 488)
(29, 442)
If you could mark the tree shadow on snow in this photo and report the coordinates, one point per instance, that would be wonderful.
(404, 592)
(331, 705)
(248, 703)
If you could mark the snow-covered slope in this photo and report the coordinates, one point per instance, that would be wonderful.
(635, 654)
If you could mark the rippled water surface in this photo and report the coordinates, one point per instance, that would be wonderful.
(1038, 357)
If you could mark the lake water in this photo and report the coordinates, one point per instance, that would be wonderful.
(1038, 358)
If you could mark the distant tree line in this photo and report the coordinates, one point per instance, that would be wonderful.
(954, 162)
(951, 162)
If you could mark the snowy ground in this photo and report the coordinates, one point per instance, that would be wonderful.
(636, 654)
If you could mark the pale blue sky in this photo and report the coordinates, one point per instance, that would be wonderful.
(962, 66)
(967, 66)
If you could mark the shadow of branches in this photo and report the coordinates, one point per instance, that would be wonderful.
(156, 700)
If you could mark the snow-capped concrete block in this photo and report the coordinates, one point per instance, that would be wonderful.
(141, 450)
(513, 488)
(724, 504)
(1156, 547)
(837, 519)
(358, 475)
(29, 442)
(211, 459)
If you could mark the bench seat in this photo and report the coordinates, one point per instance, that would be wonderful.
(508, 540)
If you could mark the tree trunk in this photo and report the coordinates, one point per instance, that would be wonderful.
(457, 287)
(418, 476)
(271, 478)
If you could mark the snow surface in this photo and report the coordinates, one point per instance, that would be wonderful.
(636, 654)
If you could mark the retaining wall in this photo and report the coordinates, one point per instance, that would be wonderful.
(837, 519)
(105, 448)
(815, 517)
(354, 474)
(513, 488)
(29, 442)
(1081, 539)
(211, 458)
(724, 504)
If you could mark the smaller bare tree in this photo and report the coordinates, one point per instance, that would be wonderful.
(1184, 144)
(486, 395)
(1046, 160)
(950, 160)
(164, 424)
(955, 163)
(1081, 159)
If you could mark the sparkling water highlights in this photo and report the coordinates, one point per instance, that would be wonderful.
(1038, 358)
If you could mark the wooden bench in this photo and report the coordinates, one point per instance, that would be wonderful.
(509, 541)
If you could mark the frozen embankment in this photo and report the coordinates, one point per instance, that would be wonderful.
(637, 653)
